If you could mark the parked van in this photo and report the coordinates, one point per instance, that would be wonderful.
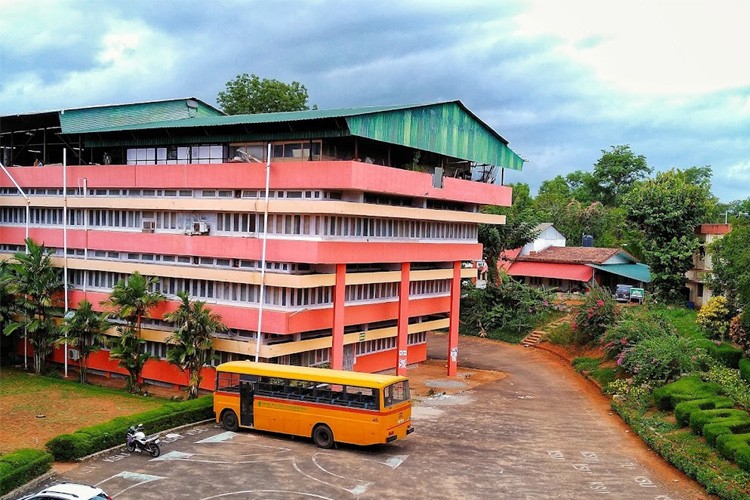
(622, 293)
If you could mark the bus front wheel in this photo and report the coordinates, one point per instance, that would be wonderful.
(229, 421)
(323, 437)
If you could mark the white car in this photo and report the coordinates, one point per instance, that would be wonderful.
(69, 491)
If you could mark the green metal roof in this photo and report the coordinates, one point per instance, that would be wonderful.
(446, 128)
(638, 272)
(122, 116)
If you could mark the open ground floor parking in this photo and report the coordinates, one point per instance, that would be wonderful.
(536, 433)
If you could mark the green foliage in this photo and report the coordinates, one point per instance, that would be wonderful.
(496, 239)
(682, 318)
(739, 330)
(683, 410)
(562, 335)
(35, 283)
(616, 172)
(699, 419)
(192, 341)
(730, 256)
(731, 384)
(667, 209)
(634, 396)
(735, 447)
(690, 454)
(595, 316)
(632, 326)
(19, 467)
(84, 330)
(686, 389)
(725, 354)
(662, 359)
(99, 437)
(131, 300)
(249, 94)
(509, 310)
(715, 316)
(590, 367)
(745, 369)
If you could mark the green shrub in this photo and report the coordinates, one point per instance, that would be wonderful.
(683, 410)
(109, 434)
(726, 354)
(745, 369)
(732, 385)
(635, 397)
(685, 389)
(595, 316)
(739, 425)
(729, 444)
(742, 458)
(633, 326)
(20, 467)
(701, 418)
(662, 359)
(714, 317)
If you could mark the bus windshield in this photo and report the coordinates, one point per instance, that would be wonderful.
(396, 393)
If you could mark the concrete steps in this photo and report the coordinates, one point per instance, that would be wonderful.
(537, 336)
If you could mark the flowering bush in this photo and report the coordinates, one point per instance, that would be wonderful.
(633, 326)
(714, 317)
(595, 316)
(739, 331)
(634, 396)
(663, 359)
(730, 383)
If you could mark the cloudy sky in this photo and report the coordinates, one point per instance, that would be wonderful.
(560, 80)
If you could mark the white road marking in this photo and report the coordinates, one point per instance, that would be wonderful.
(312, 495)
(395, 461)
(218, 438)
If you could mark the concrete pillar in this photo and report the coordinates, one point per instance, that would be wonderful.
(339, 295)
(403, 319)
(454, 320)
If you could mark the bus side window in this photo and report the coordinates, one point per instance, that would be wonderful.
(228, 382)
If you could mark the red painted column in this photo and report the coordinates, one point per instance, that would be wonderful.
(339, 294)
(403, 319)
(454, 320)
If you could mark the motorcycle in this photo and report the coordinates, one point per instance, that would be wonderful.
(136, 439)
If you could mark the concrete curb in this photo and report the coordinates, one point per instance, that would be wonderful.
(36, 482)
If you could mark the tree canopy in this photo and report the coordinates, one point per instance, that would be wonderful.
(250, 94)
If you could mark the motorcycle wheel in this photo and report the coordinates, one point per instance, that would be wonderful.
(154, 450)
(130, 447)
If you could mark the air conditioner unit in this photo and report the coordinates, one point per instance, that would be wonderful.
(148, 226)
(200, 227)
(73, 354)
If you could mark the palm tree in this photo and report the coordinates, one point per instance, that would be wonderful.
(192, 339)
(84, 330)
(131, 299)
(36, 285)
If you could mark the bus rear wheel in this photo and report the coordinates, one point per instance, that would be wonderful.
(229, 421)
(323, 437)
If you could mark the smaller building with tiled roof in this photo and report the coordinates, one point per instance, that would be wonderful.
(569, 269)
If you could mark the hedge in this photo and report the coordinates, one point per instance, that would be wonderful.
(683, 410)
(20, 467)
(745, 369)
(99, 437)
(701, 418)
(726, 354)
(685, 389)
(712, 431)
(735, 447)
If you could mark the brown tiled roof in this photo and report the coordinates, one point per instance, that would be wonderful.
(572, 255)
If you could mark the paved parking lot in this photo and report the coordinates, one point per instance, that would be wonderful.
(530, 435)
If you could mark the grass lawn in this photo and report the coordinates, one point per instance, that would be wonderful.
(36, 409)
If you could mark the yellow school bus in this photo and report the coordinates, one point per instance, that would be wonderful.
(328, 406)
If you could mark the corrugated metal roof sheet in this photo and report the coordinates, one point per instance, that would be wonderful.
(446, 128)
(638, 272)
(575, 272)
(575, 255)
(121, 116)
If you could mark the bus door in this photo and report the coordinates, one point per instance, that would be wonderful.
(247, 394)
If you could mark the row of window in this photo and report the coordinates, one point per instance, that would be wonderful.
(181, 193)
(248, 223)
(218, 291)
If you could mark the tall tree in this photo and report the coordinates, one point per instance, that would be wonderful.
(616, 172)
(730, 256)
(249, 94)
(192, 341)
(36, 285)
(497, 238)
(666, 210)
(84, 329)
(131, 300)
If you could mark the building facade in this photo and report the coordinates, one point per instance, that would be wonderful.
(699, 292)
(320, 237)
